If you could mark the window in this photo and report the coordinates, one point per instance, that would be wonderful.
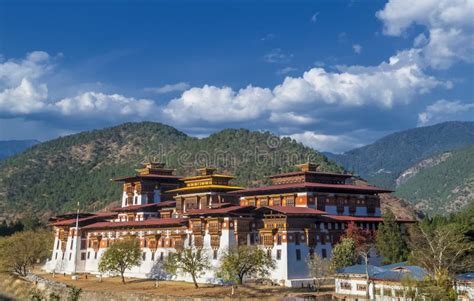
(88, 255)
(72, 243)
(387, 292)
(145, 243)
(57, 245)
(311, 253)
(214, 254)
(83, 256)
(278, 254)
(361, 287)
(398, 293)
(144, 256)
(252, 238)
(378, 292)
(346, 286)
(324, 253)
(297, 238)
(153, 256)
(298, 254)
(161, 256)
(95, 255)
(64, 253)
(56, 256)
(278, 239)
(269, 253)
(70, 256)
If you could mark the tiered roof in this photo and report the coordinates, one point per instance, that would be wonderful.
(151, 171)
(309, 178)
(207, 180)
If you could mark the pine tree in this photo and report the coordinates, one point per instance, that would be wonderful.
(389, 241)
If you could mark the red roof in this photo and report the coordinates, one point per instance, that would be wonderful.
(354, 218)
(138, 207)
(363, 218)
(310, 185)
(221, 210)
(152, 222)
(320, 173)
(295, 210)
(72, 221)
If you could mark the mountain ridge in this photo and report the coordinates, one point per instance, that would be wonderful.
(382, 161)
(51, 177)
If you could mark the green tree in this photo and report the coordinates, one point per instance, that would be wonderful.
(389, 241)
(192, 261)
(120, 256)
(244, 261)
(22, 250)
(319, 269)
(343, 254)
(32, 222)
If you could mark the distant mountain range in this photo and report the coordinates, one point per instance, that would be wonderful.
(9, 148)
(442, 183)
(51, 177)
(421, 164)
(383, 161)
(430, 167)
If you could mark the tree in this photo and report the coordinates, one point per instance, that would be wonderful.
(363, 244)
(243, 261)
(343, 254)
(32, 222)
(20, 251)
(120, 256)
(441, 250)
(191, 260)
(319, 268)
(389, 241)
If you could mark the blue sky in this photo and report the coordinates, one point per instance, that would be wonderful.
(331, 74)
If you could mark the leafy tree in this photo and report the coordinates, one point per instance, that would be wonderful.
(343, 254)
(120, 256)
(319, 268)
(244, 261)
(20, 251)
(389, 241)
(191, 260)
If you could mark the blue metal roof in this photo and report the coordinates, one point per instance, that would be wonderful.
(393, 272)
(469, 276)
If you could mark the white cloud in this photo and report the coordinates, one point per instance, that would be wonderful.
(177, 87)
(397, 81)
(314, 17)
(450, 24)
(291, 118)
(33, 66)
(326, 143)
(25, 98)
(216, 105)
(106, 106)
(277, 56)
(357, 48)
(443, 110)
(286, 70)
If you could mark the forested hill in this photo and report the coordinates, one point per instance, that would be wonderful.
(9, 148)
(444, 185)
(51, 177)
(382, 162)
